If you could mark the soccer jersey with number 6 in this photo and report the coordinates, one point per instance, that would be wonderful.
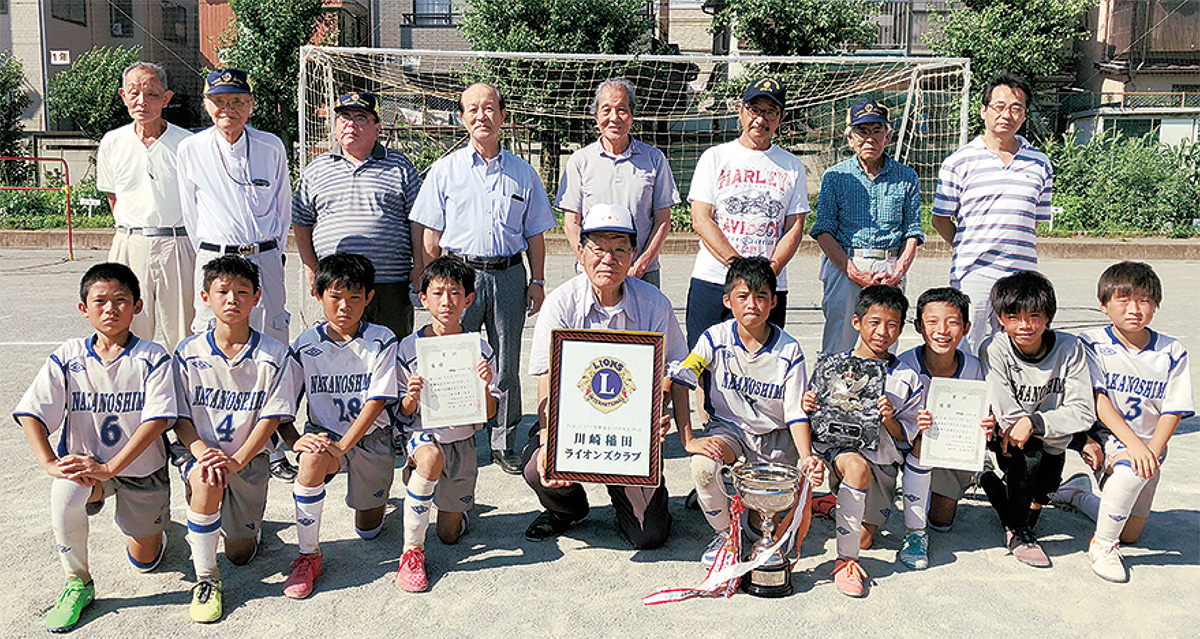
(339, 377)
(224, 398)
(1142, 385)
(95, 407)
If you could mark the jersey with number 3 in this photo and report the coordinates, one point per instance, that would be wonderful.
(95, 407)
(1142, 385)
(224, 398)
(340, 377)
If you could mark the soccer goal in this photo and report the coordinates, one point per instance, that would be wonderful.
(685, 104)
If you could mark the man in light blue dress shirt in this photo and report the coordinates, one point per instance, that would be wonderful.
(485, 207)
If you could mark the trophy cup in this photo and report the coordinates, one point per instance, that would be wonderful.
(767, 488)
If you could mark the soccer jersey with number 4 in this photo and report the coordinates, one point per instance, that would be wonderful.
(90, 407)
(340, 377)
(224, 398)
(1142, 385)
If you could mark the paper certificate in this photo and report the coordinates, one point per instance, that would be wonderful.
(453, 395)
(955, 440)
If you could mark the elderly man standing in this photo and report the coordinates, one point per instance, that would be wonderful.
(485, 207)
(749, 198)
(617, 169)
(136, 167)
(236, 196)
(356, 199)
(602, 297)
(868, 222)
(990, 196)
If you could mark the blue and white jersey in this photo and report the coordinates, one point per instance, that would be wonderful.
(406, 359)
(969, 366)
(759, 391)
(95, 406)
(1142, 385)
(339, 378)
(225, 398)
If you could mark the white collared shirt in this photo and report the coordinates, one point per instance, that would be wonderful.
(143, 178)
(221, 202)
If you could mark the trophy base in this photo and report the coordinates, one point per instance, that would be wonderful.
(769, 582)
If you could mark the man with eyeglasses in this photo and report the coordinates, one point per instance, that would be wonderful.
(604, 297)
(356, 199)
(485, 206)
(235, 192)
(990, 196)
(868, 222)
(749, 198)
(136, 167)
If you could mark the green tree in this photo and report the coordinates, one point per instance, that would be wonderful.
(579, 26)
(265, 41)
(14, 99)
(87, 92)
(798, 27)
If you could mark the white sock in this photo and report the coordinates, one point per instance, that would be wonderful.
(851, 502)
(418, 504)
(310, 502)
(710, 493)
(369, 534)
(1120, 493)
(204, 533)
(68, 519)
(916, 480)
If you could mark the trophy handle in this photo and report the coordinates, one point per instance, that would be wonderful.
(726, 470)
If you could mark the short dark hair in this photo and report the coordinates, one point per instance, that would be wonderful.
(1024, 292)
(1010, 80)
(584, 237)
(944, 295)
(110, 272)
(349, 270)
(1127, 278)
(231, 266)
(881, 295)
(756, 272)
(451, 270)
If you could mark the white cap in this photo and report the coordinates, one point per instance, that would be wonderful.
(608, 217)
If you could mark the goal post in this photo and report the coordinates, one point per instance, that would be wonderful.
(685, 104)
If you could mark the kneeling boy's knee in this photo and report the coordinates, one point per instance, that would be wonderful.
(704, 469)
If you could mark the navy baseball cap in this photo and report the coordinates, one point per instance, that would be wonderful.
(767, 87)
(364, 101)
(226, 81)
(867, 112)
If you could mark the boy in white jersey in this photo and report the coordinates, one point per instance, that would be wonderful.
(1143, 389)
(233, 389)
(942, 322)
(860, 473)
(110, 399)
(753, 376)
(441, 461)
(347, 369)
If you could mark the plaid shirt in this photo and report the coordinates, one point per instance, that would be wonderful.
(869, 214)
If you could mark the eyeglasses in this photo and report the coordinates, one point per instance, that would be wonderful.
(230, 103)
(618, 254)
(863, 134)
(1016, 109)
(766, 114)
(358, 119)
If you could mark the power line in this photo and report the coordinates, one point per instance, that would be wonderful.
(152, 37)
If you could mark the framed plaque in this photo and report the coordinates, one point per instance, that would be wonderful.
(848, 389)
(605, 405)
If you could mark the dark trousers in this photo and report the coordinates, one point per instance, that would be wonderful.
(1030, 474)
(642, 516)
(706, 307)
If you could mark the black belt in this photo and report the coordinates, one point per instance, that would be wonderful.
(488, 263)
(154, 231)
(240, 249)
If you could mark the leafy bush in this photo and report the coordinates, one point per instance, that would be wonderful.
(45, 209)
(87, 92)
(1115, 185)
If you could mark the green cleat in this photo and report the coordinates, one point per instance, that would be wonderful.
(206, 601)
(75, 596)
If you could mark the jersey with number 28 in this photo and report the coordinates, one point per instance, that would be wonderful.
(95, 407)
(1142, 385)
(224, 398)
(340, 377)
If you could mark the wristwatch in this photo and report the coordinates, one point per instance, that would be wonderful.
(541, 283)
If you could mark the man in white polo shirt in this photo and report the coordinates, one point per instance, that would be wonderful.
(990, 196)
(136, 167)
(236, 196)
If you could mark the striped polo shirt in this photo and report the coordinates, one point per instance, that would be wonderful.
(360, 208)
(995, 207)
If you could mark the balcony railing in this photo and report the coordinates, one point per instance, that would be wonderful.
(1149, 100)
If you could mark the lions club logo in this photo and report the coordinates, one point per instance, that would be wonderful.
(606, 384)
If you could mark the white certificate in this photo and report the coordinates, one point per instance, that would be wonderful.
(453, 394)
(955, 440)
